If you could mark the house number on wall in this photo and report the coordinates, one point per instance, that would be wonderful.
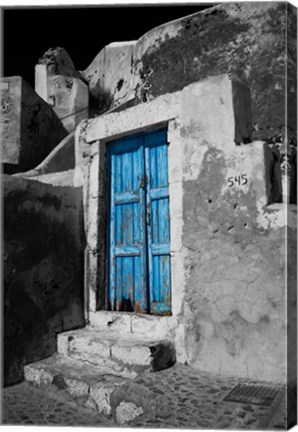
(240, 179)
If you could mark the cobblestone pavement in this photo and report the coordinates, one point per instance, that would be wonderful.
(24, 404)
(188, 398)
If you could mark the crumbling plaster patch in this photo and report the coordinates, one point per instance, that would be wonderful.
(245, 40)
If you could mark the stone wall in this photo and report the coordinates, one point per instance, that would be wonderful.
(29, 127)
(43, 269)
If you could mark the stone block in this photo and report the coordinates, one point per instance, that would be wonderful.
(37, 375)
(76, 387)
(100, 394)
(155, 327)
(127, 411)
(62, 343)
(82, 343)
(132, 355)
(115, 321)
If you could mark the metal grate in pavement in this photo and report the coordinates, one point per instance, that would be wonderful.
(252, 394)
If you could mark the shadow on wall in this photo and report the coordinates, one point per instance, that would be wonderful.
(43, 269)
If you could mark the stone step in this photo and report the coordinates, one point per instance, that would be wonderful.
(88, 384)
(139, 324)
(125, 355)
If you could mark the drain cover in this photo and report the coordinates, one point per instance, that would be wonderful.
(252, 394)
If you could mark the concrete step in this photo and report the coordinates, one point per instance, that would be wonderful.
(125, 355)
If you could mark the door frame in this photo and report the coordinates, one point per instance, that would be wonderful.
(143, 142)
(94, 137)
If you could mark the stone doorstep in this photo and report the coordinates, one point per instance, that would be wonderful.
(82, 381)
(90, 386)
(126, 352)
(129, 322)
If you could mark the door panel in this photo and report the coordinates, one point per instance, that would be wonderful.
(158, 222)
(127, 263)
(139, 256)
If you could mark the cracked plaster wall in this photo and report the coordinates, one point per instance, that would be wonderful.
(234, 305)
(43, 271)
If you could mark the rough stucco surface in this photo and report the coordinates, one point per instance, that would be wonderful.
(109, 84)
(29, 127)
(234, 301)
(235, 296)
(43, 269)
(245, 40)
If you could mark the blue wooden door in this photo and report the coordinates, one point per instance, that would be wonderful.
(139, 226)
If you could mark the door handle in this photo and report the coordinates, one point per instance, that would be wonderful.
(148, 216)
(143, 182)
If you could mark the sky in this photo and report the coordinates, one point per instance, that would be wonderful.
(83, 31)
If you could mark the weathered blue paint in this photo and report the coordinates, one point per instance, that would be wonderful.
(127, 257)
(157, 200)
(139, 234)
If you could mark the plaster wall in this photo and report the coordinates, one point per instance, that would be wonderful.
(246, 40)
(43, 246)
(227, 248)
(60, 159)
(62, 87)
(29, 127)
(109, 85)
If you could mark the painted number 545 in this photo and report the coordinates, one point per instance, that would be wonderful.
(240, 179)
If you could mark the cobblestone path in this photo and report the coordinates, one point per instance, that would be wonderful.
(24, 404)
(195, 400)
(187, 399)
